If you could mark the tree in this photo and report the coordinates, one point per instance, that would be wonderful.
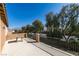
(38, 26)
(77, 31)
(52, 24)
(49, 23)
(77, 28)
(68, 19)
(23, 29)
(29, 28)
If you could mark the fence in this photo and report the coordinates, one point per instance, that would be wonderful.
(72, 47)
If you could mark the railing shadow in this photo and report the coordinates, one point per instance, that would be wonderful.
(15, 41)
(31, 41)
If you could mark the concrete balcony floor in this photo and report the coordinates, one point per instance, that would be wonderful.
(28, 47)
(22, 49)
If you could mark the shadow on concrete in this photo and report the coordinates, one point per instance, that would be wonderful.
(15, 41)
(12, 41)
(31, 41)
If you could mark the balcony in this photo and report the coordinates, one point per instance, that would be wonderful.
(27, 47)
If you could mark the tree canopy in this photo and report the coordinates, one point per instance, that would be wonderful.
(38, 26)
(66, 21)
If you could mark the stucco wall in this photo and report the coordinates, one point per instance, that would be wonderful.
(0, 34)
(3, 34)
(11, 36)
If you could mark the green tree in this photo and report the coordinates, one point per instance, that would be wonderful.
(77, 28)
(49, 18)
(38, 26)
(23, 29)
(52, 24)
(29, 28)
(68, 19)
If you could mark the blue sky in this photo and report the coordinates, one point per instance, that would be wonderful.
(21, 14)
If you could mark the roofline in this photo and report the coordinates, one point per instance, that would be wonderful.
(4, 14)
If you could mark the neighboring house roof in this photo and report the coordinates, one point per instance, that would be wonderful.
(3, 13)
